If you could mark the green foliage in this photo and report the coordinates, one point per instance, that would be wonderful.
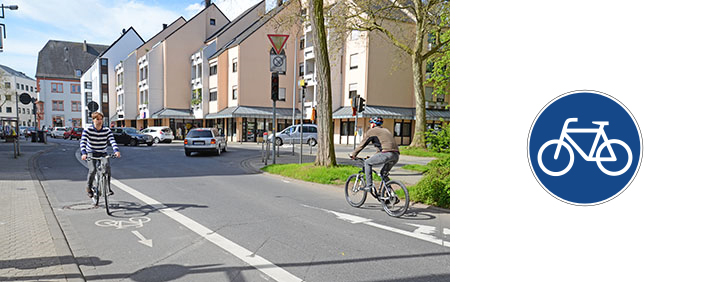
(440, 74)
(421, 152)
(318, 174)
(434, 187)
(416, 167)
(439, 140)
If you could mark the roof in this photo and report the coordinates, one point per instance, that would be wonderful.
(391, 112)
(172, 113)
(250, 30)
(235, 21)
(253, 112)
(14, 72)
(195, 16)
(60, 59)
(120, 37)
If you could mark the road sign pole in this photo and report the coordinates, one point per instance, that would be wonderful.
(17, 124)
(302, 117)
(274, 133)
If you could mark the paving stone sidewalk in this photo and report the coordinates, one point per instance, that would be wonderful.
(32, 243)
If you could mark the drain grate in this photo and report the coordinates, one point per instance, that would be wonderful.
(80, 207)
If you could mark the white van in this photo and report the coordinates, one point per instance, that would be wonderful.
(57, 132)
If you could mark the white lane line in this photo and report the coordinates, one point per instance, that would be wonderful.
(238, 251)
(357, 219)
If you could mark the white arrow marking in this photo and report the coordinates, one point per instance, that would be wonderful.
(423, 229)
(143, 241)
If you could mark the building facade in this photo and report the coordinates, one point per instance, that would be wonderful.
(100, 81)
(59, 70)
(12, 84)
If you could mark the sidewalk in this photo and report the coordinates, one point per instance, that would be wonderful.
(32, 243)
(286, 156)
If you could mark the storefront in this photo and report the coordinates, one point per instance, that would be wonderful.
(400, 121)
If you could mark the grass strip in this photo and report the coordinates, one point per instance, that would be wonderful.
(419, 152)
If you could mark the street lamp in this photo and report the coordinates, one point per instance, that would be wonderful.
(2, 16)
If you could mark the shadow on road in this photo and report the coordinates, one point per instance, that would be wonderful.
(123, 209)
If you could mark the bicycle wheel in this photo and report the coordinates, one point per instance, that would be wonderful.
(96, 190)
(560, 143)
(395, 198)
(607, 144)
(354, 194)
(106, 185)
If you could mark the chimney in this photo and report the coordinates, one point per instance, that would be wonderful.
(84, 45)
(207, 3)
(164, 26)
(123, 31)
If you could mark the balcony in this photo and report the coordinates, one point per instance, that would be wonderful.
(309, 53)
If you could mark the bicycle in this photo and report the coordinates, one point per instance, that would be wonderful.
(102, 181)
(600, 133)
(388, 194)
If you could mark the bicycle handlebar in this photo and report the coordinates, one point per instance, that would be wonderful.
(108, 156)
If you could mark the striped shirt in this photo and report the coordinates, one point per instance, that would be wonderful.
(96, 141)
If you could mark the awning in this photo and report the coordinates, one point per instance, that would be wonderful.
(173, 113)
(392, 113)
(254, 112)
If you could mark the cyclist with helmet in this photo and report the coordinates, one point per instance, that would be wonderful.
(388, 152)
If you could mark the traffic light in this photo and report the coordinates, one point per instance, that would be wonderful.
(361, 105)
(354, 101)
(274, 86)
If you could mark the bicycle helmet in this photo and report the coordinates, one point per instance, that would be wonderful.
(376, 120)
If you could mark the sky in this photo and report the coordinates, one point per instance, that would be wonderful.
(96, 21)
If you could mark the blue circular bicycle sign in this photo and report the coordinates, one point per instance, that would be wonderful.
(585, 148)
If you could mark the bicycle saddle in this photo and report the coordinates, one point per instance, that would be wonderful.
(601, 122)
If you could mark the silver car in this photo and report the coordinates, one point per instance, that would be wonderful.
(291, 135)
(205, 140)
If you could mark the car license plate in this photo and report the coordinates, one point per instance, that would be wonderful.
(198, 142)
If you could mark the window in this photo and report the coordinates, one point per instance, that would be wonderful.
(103, 62)
(347, 128)
(158, 122)
(213, 70)
(22, 86)
(193, 72)
(213, 95)
(353, 90)
(212, 21)
(8, 109)
(56, 87)
(8, 84)
(234, 93)
(17, 85)
(441, 98)
(75, 88)
(302, 43)
(88, 85)
(75, 106)
(104, 79)
(8, 97)
(78, 72)
(403, 128)
(234, 65)
(302, 69)
(353, 61)
(58, 105)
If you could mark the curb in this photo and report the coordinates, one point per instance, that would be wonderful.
(67, 258)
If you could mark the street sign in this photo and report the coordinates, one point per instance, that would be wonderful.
(25, 98)
(278, 63)
(278, 41)
(92, 106)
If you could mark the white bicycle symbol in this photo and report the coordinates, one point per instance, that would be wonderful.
(600, 133)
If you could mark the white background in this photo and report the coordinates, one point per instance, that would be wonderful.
(661, 59)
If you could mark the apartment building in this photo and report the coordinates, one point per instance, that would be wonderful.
(165, 94)
(100, 80)
(134, 73)
(239, 81)
(59, 70)
(12, 84)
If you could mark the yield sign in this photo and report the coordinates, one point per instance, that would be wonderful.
(278, 41)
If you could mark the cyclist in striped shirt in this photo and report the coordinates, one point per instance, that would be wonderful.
(94, 141)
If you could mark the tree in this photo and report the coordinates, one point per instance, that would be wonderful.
(326, 147)
(440, 74)
(390, 17)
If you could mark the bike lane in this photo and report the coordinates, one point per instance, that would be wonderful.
(137, 242)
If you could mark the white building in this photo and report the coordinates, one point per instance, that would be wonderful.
(59, 69)
(12, 84)
(100, 81)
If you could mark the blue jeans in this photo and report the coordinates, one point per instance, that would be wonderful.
(387, 159)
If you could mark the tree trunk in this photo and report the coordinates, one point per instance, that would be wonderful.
(326, 147)
(418, 140)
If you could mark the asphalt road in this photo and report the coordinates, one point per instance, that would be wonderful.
(208, 218)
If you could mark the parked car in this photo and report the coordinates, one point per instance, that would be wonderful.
(159, 133)
(28, 131)
(291, 135)
(57, 132)
(205, 140)
(130, 136)
(74, 133)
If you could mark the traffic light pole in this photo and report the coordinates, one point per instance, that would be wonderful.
(17, 126)
(273, 129)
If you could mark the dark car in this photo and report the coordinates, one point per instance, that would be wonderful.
(73, 133)
(130, 136)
